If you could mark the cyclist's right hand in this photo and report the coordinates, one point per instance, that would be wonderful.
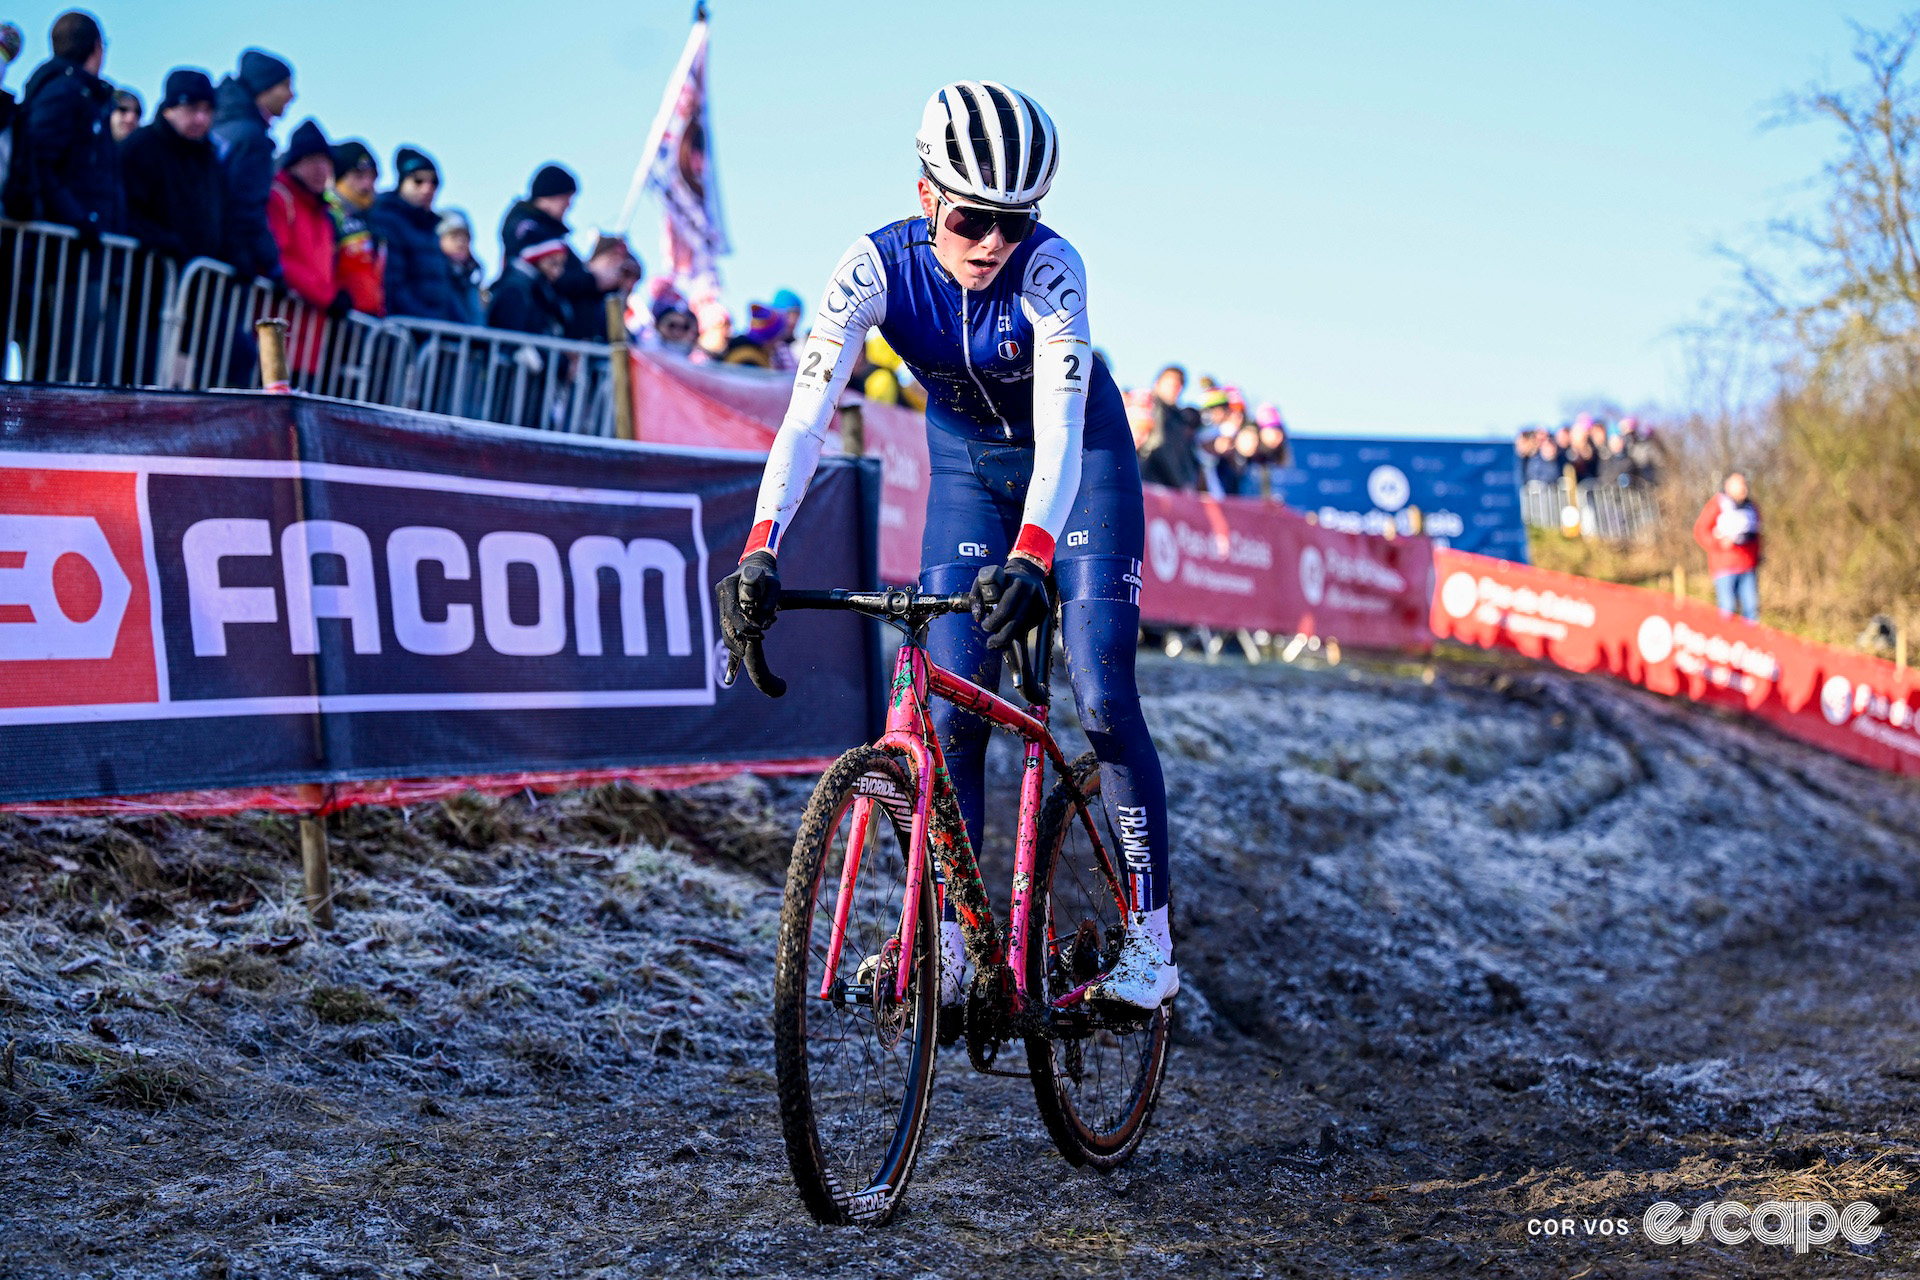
(747, 599)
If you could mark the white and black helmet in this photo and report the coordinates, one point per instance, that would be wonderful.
(986, 142)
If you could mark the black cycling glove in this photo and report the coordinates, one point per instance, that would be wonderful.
(1010, 600)
(748, 597)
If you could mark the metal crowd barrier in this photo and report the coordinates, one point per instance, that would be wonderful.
(124, 316)
(496, 375)
(87, 316)
(1610, 512)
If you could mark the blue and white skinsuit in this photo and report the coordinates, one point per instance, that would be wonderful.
(1031, 451)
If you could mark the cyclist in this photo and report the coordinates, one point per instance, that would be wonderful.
(1033, 471)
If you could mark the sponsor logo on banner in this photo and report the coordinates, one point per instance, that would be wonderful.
(1732, 663)
(1858, 705)
(63, 594)
(1205, 558)
(1521, 611)
(1313, 575)
(76, 625)
(1163, 551)
(160, 588)
(1387, 486)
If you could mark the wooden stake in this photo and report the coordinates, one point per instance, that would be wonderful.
(319, 874)
(853, 430)
(272, 336)
(1679, 582)
(1900, 645)
(622, 368)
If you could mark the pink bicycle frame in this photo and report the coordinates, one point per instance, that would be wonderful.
(910, 729)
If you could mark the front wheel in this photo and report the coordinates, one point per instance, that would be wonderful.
(855, 1068)
(1096, 1080)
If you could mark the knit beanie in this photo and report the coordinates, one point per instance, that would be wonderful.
(260, 71)
(411, 160)
(552, 180)
(350, 155)
(307, 141)
(186, 85)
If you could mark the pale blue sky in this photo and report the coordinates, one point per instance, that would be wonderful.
(1402, 218)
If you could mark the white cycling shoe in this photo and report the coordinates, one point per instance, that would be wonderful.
(1144, 975)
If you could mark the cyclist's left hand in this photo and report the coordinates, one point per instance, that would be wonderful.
(1010, 600)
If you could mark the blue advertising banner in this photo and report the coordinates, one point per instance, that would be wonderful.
(244, 591)
(1461, 493)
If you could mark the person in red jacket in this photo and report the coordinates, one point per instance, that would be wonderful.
(1728, 530)
(303, 228)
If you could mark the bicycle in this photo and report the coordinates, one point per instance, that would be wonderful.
(855, 1054)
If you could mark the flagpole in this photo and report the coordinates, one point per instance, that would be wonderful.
(663, 119)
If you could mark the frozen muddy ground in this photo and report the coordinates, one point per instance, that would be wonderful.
(1509, 946)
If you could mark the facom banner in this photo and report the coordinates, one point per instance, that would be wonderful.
(1461, 493)
(209, 591)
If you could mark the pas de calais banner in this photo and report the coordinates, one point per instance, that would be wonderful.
(1239, 563)
(677, 402)
(243, 591)
(1847, 703)
(1465, 492)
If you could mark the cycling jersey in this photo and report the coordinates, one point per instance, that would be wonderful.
(1031, 452)
(1012, 363)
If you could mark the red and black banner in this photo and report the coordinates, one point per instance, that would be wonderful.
(218, 591)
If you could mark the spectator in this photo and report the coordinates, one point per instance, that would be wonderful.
(417, 279)
(1613, 467)
(616, 273)
(1276, 453)
(176, 194)
(1544, 466)
(463, 271)
(301, 223)
(788, 304)
(524, 299)
(716, 331)
(247, 103)
(541, 217)
(66, 167)
(1728, 530)
(124, 118)
(1170, 458)
(11, 38)
(1646, 456)
(359, 259)
(885, 378)
(673, 325)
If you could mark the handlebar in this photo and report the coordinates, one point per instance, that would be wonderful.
(905, 605)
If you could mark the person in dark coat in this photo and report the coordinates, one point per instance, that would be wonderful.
(66, 167)
(176, 193)
(524, 298)
(418, 282)
(463, 269)
(247, 103)
(539, 219)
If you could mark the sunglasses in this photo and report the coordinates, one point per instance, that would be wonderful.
(970, 223)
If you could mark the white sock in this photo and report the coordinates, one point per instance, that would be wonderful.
(1153, 924)
(953, 954)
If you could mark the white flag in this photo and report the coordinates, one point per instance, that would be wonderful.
(677, 166)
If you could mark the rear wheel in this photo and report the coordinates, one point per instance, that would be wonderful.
(1098, 1080)
(855, 1069)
